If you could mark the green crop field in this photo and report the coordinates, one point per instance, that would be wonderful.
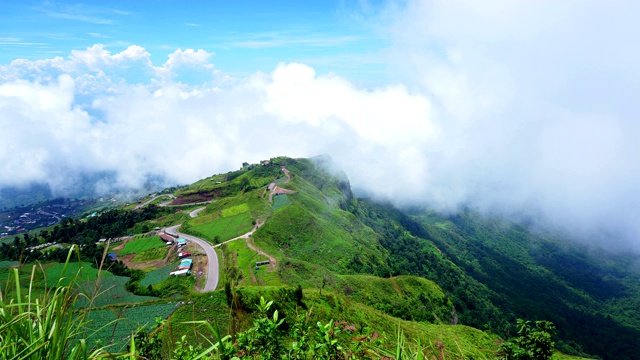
(87, 273)
(280, 201)
(151, 254)
(226, 228)
(119, 323)
(110, 291)
(235, 210)
(142, 244)
(159, 275)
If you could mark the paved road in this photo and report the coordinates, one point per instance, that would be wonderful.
(151, 200)
(195, 212)
(213, 267)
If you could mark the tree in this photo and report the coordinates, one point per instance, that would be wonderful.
(535, 342)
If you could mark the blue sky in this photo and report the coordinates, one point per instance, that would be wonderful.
(245, 36)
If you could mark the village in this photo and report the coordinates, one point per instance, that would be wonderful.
(48, 213)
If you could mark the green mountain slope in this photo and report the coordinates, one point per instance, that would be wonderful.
(459, 280)
(491, 270)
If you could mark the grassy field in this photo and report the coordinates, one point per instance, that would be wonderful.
(245, 260)
(54, 271)
(151, 254)
(159, 275)
(457, 341)
(226, 228)
(142, 244)
(280, 201)
(235, 210)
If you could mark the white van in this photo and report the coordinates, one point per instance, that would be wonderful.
(185, 272)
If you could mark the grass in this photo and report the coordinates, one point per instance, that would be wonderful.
(54, 273)
(225, 228)
(142, 244)
(457, 341)
(245, 259)
(280, 201)
(152, 254)
(235, 210)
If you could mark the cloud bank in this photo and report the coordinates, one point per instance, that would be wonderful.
(526, 107)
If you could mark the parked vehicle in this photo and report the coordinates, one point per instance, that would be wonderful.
(185, 272)
(184, 254)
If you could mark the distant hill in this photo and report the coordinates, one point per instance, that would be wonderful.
(11, 197)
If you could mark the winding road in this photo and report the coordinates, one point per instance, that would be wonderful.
(152, 199)
(213, 269)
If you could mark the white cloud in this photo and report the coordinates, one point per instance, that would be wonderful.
(502, 106)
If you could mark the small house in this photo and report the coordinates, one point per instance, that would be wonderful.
(185, 264)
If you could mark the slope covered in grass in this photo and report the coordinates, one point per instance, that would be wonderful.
(316, 228)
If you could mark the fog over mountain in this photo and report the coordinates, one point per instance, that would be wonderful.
(508, 107)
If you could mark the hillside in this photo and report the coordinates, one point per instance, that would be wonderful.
(490, 269)
(285, 224)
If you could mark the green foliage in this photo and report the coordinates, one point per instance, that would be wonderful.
(43, 326)
(238, 255)
(65, 273)
(280, 201)
(534, 342)
(225, 228)
(151, 254)
(405, 297)
(109, 290)
(235, 210)
(143, 244)
(159, 275)
(114, 325)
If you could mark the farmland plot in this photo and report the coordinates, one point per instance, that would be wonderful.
(159, 275)
(119, 323)
(226, 228)
(280, 201)
(143, 244)
(109, 291)
(151, 254)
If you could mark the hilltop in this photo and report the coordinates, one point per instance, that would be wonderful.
(269, 228)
